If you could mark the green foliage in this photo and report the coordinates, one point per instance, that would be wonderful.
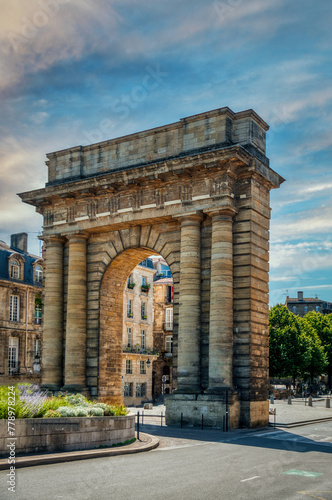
(78, 400)
(52, 414)
(82, 411)
(10, 403)
(295, 347)
(96, 411)
(322, 325)
(67, 411)
(31, 402)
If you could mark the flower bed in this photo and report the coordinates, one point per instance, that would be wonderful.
(40, 423)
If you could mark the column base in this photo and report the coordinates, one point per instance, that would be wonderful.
(213, 408)
(218, 390)
(50, 387)
(76, 388)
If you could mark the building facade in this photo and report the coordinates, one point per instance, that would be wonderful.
(21, 276)
(138, 351)
(302, 305)
(163, 336)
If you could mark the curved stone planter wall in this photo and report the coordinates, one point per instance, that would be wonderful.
(38, 435)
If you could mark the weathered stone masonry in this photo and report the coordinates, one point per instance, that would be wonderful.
(197, 193)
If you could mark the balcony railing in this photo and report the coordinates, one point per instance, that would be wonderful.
(139, 350)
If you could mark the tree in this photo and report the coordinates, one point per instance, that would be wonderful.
(289, 346)
(322, 325)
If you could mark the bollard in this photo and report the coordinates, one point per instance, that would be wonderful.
(223, 423)
(161, 419)
(181, 419)
(202, 421)
(310, 401)
(272, 399)
(289, 400)
(138, 425)
(328, 403)
(142, 417)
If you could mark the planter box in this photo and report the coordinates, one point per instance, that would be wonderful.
(39, 435)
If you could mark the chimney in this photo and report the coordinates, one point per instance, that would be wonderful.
(300, 296)
(19, 242)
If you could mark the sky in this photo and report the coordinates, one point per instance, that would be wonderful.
(75, 72)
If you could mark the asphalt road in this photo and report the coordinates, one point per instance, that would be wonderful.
(272, 464)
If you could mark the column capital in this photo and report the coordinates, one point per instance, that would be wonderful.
(190, 218)
(224, 213)
(54, 239)
(77, 237)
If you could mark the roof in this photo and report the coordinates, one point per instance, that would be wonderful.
(309, 299)
(29, 260)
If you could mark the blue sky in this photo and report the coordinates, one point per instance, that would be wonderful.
(81, 71)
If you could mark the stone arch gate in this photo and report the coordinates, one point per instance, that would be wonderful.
(197, 193)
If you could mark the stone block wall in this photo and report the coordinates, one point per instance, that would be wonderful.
(44, 435)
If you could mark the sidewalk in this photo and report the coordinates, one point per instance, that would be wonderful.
(299, 413)
(146, 442)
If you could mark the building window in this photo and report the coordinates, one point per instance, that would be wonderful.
(294, 309)
(142, 368)
(38, 274)
(130, 282)
(306, 309)
(38, 314)
(129, 337)
(169, 318)
(14, 308)
(129, 308)
(143, 310)
(140, 390)
(317, 308)
(14, 270)
(143, 339)
(13, 363)
(128, 366)
(36, 355)
(169, 294)
(143, 280)
(128, 389)
(169, 344)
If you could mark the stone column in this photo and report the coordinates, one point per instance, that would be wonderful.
(221, 301)
(75, 352)
(189, 305)
(51, 360)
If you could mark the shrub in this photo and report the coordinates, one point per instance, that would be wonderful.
(67, 411)
(31, 400)
(82, 411)
(52, 414)
(96, 411)
(77, 400)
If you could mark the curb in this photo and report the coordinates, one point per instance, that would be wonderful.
(146, 443)
(300, 423)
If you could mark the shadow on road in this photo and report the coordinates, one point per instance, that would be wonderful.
(277, 439)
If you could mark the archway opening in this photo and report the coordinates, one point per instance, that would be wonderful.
(128, 349)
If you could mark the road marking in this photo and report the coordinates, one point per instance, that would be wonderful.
(314, 496)
(304, 473)
(249, 479)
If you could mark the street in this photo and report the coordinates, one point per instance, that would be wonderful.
(193, 464)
